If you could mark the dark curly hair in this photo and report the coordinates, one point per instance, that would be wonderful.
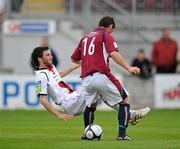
(37, 52)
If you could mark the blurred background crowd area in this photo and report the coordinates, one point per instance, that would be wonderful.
(139, 24)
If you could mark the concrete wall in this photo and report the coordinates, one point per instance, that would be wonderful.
(17, 51)
(141, 92)
(17, 48)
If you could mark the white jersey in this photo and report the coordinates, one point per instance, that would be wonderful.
(49, 82)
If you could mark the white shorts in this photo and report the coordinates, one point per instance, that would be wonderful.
(74, 104)
(100, 85)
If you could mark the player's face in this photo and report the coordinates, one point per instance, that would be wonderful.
(47, 58)
(110, 29)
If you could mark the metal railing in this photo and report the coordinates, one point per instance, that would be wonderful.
(128, 13)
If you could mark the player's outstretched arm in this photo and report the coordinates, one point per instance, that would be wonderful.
(50, 108)
(117, 57)
(76, 61)
(69, 70)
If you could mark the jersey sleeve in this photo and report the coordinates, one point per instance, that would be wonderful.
(41, 84)
(77, 53)
(110, 43)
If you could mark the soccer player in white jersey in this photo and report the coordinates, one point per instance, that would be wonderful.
(49, 82)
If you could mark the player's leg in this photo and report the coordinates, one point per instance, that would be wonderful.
(113, 93)
(135, 115)
(123, 109)
(90, 96)
(89, 115)
(123, 118)
(74, 104)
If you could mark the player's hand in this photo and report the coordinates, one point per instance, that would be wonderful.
(64, 117)
(134, 70)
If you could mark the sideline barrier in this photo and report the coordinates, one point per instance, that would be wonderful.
(18, 92)
(167, 91)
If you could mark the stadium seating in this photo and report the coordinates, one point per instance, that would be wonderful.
(147, 5)
(41, 6)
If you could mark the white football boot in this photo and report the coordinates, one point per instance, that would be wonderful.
(138, 114)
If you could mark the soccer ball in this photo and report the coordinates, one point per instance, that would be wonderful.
(93, 132)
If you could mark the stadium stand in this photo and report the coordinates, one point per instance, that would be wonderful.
(43, 6)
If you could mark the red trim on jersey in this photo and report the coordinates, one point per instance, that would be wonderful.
(51, 68)
(117, 83)
(64, 85)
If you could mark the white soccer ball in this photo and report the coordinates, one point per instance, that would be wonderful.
(93, 131)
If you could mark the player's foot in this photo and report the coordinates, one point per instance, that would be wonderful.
(126, 138)
(138, 114)
(83, 137)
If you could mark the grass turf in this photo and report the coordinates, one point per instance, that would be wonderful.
(21, 129)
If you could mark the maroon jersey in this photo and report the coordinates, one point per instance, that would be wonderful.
(94, 50)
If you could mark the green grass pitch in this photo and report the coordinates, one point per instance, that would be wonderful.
(21, 129)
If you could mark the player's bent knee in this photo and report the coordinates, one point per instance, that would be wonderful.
(125, 101)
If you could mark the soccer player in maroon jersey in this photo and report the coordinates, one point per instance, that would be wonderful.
(93, 52)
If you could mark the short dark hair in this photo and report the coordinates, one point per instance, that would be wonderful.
(141, 51)
(37, 52)
(107, 21)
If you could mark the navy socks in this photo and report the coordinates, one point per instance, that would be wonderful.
(123, 117)
(88, 116)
